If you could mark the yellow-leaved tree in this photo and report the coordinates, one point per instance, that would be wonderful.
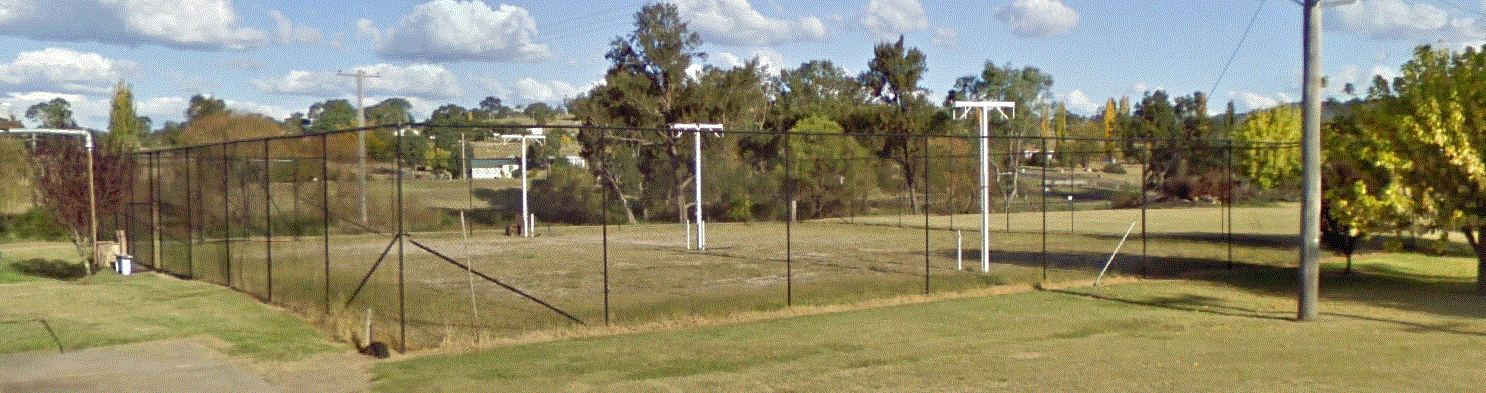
(1424, 135)
(1266, 160)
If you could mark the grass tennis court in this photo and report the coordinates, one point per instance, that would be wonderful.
(748, 267)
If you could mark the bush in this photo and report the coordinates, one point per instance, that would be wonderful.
(568, 195)
(1114, 168)
(34, 224)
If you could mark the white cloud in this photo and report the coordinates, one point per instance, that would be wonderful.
(1038, 18)
(160, 108)
(1360, 79)
(737, 23)
(417, 80)
(945, 38)
(64, 71)
(289, 34)
(180, 24)
(1078, 102)
(529, 89)
(273, 111)
(449, 30)
(888, 18)
(365, 29)
(1248, 101)
(1406, 20)
(551, 91)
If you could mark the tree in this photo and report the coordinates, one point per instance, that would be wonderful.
(817, 87)
(645, 87)
(1265, 164)
(56, 113)
(62, 183)
(123, 124)
(229, 125)
(539, 112)
(331, 115)
(390, 111)
(902, 112)
(203, 106)
(1030, 89)
(1112, 122)
(829, 171)
(1423, 132)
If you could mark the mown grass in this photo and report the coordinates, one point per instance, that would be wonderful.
(1231, 332)
(107, 309)
(29, 261)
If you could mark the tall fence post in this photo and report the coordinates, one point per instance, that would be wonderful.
(1042, 190)
(604, 217)
(226, 216)
(402, 304)
(267, 224)
(325, 215)
(789, 221)
(924, 147)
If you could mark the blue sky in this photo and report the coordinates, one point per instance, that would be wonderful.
(278, 57)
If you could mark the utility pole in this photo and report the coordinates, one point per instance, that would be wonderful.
(1310, 213)
(985, 171)
(361, 76)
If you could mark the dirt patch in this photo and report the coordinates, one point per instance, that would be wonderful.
(195, 364)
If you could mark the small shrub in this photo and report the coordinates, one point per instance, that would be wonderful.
(1114, 168)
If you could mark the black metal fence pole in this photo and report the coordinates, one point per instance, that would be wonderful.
(325, 214)
(402, 305)
(924, 142)
(789, 221)
(267, 225)
(1042, 188)
(191, 210)
(1228, 206)
(604, 217)
(226, 218)
(1145, 165)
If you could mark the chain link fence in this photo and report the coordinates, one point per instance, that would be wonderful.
(410, 249)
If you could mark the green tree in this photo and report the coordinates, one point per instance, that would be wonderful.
(56, 113)
(1030, 89)
(1424, 132)
(645, 87)
(539, 112)
(817, 87)
(200, 106)
(1267, 165)
(124, 124)
(902, 114)
(331, 115)
(829, 170)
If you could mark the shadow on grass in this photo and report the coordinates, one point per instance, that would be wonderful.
(51, 268)
(1194, 303)
(1375, 285)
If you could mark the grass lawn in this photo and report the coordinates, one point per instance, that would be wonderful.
(107, 309)
(1405, 324)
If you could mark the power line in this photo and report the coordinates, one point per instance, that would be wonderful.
(1234, 55)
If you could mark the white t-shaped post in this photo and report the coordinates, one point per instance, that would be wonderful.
(985, 173)
(526, 220)
(696, 132)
